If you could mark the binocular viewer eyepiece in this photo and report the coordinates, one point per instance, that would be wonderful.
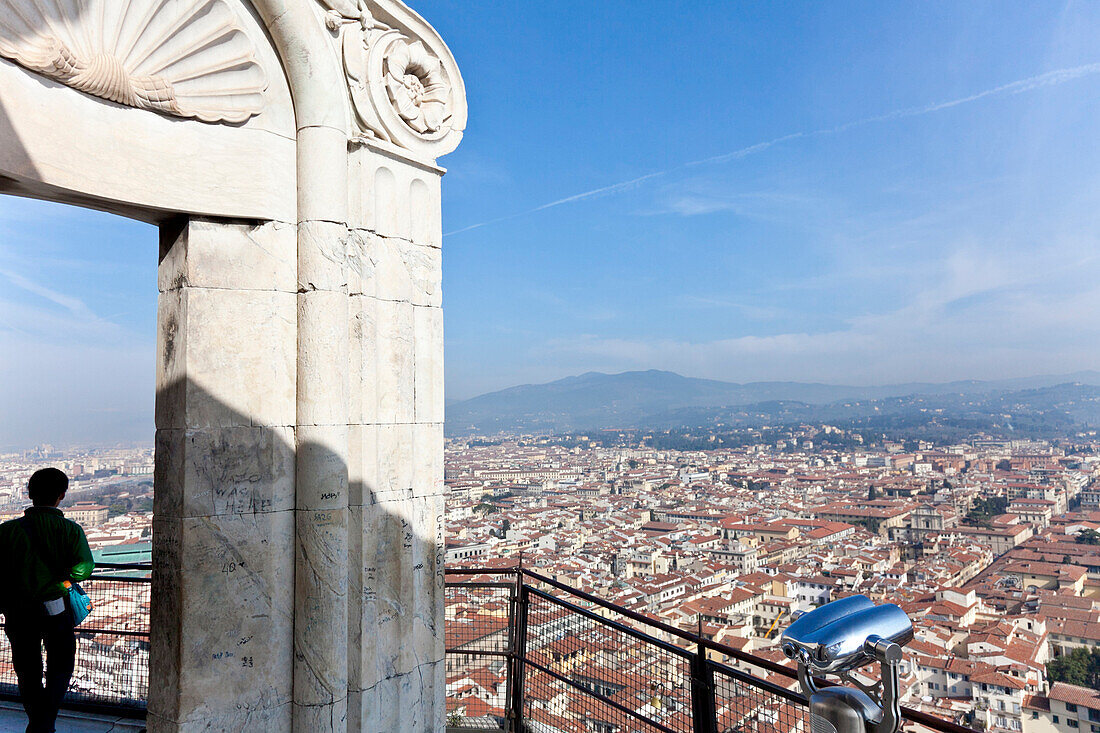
(846, 634)
(838, 638)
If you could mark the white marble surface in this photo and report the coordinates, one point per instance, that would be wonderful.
(120, 154)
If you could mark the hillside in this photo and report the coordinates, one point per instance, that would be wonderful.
(658, 398)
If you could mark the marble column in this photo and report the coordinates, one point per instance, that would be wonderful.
(321, 525)
(396, 676)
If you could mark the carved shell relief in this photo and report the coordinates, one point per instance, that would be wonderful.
(400, 89)
(187, 58)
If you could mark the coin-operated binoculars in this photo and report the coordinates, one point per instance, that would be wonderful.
(837, 639)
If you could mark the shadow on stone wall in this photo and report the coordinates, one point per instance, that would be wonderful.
(228, 543)
(20, 175)
(14, 159)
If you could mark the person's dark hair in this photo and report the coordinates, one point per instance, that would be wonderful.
(46, 486)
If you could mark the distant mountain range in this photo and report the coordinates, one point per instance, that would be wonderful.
(649, 399)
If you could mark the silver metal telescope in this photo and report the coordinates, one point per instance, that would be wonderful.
(838, 638)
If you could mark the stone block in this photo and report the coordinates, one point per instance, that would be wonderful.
(237, 351)
(239, 470)
(424, 268)
(394, 461)
(395, 357)
(428, 347)
(425, 198)
(323, 176)
(427, 459)
(389, 210)
(362, 361)
(360, 185)
(243, 717)
(322, 470)
(392, 278)
(215, 254)
(397, 589)
(322, 358)
(395, 269)
(321, 621)
(362, 464)
(414, 702)
(361, 277)
(331, 717)
(170, 409)
(355, 359)
(222, 624)
(396, 198)
(144, 164)
(322, 249)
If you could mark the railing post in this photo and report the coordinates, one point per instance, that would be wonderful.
(519, 654)
(703, 714)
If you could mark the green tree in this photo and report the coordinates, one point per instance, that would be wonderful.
(1088, 537)
(872, 494)
(1080, 667)
(983, 511)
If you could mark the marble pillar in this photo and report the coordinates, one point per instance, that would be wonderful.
(396, 677)
(223, 533)
(321, 526)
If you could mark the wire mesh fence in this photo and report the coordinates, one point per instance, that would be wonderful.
(553, 705)
(747, 705)
(609, 676)
(479, 634)
(112, 646)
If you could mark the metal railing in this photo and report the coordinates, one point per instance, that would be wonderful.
(112, 645)
(524, 653)
(528, 654)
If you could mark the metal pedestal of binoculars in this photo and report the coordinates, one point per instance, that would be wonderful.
(838, 638)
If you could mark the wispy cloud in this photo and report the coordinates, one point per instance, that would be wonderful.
(74, 305)
(596, 193)
(976, 315)
(1020, 86)
(60, 320)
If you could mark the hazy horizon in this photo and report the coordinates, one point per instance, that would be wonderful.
(137, 424)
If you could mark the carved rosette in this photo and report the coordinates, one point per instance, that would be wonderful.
(403, 83)
(186, 58)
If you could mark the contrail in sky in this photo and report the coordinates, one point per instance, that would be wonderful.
(1049, 79)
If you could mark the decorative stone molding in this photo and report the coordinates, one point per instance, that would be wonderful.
(186, 58)
(403, 82)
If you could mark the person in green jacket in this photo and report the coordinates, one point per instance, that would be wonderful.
(43, 553)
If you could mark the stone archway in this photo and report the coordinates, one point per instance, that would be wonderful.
(287, 150)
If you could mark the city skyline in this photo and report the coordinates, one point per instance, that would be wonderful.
(900, 194)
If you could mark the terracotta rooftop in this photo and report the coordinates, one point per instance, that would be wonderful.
(1075, 695)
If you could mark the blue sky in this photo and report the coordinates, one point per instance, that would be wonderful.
(843, 192)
